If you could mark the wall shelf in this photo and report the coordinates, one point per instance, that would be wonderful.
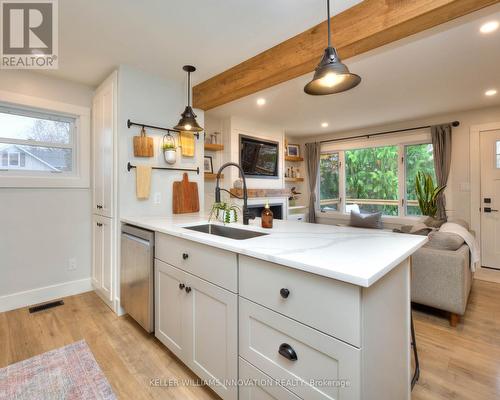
(214, 147)
(294, 158)
(210, 176)
(294, 179)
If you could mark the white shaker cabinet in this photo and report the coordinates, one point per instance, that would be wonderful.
(104, 234)
(198, 322)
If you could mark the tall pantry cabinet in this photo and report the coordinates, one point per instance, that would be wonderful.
(104, 204)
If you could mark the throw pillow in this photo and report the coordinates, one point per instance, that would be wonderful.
(368, 220)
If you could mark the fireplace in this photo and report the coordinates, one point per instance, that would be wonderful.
(256, 210)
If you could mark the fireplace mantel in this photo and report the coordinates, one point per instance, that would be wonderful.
(254, 193)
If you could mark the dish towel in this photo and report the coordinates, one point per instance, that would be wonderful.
(143, 181)
(471, 241)
(187, 144)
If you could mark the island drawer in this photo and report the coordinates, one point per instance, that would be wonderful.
(309, 363)
(328, 305)
(262, 387)
(217, 266)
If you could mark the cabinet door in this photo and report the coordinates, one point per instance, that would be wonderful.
(102, 257)
(212, 334)
(107, 259)
(103, 129)
(97, 182)
(170, 304)
(97, 252)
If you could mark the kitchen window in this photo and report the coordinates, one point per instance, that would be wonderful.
(43, 143)
(374, 178)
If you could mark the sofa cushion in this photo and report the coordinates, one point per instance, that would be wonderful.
(417, 229)
(444, 241)
(368, 220)
(434, 222)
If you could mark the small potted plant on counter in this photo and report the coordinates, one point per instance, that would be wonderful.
(169, 149)
(224, 212)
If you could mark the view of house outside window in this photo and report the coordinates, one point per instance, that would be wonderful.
(371, 178)
(33, 142)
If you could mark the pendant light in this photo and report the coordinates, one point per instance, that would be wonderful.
(188, 117)
(331, 75)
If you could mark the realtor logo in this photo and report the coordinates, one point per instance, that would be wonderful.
(29, 34)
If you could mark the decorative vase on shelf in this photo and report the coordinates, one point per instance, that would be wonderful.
(169, 149)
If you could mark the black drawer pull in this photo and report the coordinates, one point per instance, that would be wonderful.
(284, 293)
(288, 352)
(185, 256)
(188, 289)
(181, 286)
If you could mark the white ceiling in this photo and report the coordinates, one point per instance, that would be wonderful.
(441, 70)
(160, 36)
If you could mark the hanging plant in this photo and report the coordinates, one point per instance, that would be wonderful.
(169, 149)
(427, 193)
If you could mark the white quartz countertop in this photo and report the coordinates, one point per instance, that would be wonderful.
(353, 255)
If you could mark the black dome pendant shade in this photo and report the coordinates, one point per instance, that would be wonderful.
(331, 75)
(188, 117)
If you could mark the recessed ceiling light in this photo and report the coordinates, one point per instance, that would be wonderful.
(261, 102)
(489, 27)
(491, 92)
(324, 124)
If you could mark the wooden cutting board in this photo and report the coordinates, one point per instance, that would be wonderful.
(185, 196)
(143, 145)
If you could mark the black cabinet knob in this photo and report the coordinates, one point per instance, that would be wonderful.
(288, 352)
(284, 293)
(181, 286)
(185, 256)
(188, 289)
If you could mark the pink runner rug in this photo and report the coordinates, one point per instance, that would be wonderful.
(69, 373)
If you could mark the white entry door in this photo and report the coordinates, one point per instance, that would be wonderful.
(490, 199)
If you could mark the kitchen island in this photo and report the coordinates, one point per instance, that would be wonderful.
(306, 311)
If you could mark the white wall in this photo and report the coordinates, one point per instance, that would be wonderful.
(152, 100)
(41, 229)
(458, 191)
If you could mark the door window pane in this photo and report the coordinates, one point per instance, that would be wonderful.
(418, 157)
(329, 182)
(372, 179)
(498, 154)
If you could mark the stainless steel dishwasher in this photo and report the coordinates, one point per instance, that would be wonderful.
(137, 275)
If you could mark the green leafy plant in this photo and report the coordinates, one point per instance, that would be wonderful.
(168, 146)
(222, 212)
(427, 193)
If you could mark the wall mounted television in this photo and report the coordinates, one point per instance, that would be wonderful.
(259, 158)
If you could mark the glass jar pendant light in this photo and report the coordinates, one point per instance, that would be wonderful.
(188, 117)
(331, 75)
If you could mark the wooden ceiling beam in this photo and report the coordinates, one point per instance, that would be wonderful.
(364, 27)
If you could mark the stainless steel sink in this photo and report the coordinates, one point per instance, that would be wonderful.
(225, 231)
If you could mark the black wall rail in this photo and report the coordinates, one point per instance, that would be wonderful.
(197, 170)
(130, 123)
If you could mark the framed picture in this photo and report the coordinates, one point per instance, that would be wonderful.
(293, 150)
(208, 164)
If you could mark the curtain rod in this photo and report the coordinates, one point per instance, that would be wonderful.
(369, 135)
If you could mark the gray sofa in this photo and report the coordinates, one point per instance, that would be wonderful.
(442, 278)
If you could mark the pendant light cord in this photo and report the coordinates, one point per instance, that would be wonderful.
(189, 88)
(329, 32)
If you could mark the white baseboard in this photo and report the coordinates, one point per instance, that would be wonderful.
(44, 294)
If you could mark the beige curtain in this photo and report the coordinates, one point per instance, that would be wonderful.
(441, 143)
(313, 153)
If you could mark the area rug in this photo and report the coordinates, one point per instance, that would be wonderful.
(67, 373)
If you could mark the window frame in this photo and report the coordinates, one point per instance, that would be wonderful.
(415, 137)
(79, 177)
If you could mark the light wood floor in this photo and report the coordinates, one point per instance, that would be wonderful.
(457, 363)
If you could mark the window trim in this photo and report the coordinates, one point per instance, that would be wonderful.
(416, 137)
(80, 176)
